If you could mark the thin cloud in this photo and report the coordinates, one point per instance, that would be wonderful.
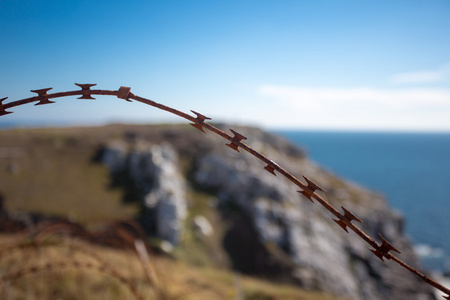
(367, 108)
(322, 98)
(429, 76)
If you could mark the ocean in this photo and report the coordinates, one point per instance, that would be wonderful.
(412, 170)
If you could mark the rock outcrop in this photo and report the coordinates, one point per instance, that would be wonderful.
(322, 256)
(154, 174)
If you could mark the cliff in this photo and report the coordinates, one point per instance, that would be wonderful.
(270, 229)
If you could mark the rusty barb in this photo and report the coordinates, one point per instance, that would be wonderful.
(309, 189)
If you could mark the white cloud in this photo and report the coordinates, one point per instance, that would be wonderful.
(360, 108)
(363, 98)
(428, 76)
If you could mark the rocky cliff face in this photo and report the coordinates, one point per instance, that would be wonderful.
(154, 173)
(284, 230)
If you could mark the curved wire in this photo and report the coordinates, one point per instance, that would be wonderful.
(308, 189)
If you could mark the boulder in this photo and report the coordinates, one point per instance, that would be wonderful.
(154, 173)
(202, 227)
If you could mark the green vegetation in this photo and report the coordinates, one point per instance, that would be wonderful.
(51, 172)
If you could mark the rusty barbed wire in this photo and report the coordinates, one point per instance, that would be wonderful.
(344, 220)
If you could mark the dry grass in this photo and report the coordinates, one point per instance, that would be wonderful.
(69, 269)
(63, 268)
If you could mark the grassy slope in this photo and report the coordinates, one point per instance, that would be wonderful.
(178, 279)
(50, 171)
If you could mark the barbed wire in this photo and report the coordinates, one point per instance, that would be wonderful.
(344, 220)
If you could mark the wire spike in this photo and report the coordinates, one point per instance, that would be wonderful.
(384, 249)
(199, 121)
(349, 216)
(2, 109)
(270, 169)
(378, 254)
(312, 186)
(86, 88)
(42, 96)
(346, 219)
(308, 191)
(307, 195)
(237, 138)
(386, 245)
(342, 223)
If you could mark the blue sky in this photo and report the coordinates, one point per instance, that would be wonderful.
(358, 65)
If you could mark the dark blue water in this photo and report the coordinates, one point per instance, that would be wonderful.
(412, 170)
